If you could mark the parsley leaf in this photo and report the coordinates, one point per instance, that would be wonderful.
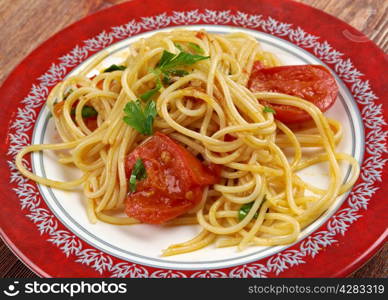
(196, 48)
(170, 61)
(140, 119)
(244, 210)
(178, 46)
(148, 95)
(114, 68)
(166, 79)
(179, 73)
(138, 173)
(269, 109)
(166, 57)
(87, 111)
(166, 76)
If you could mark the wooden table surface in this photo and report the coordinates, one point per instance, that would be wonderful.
(27, 23)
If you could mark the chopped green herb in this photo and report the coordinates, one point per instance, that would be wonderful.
(170, 61)
(166, 79)
(179, 73)
(87, 112)
(246, 208)
(178, 46)
(196, 48)
(269, 109)
(166, 57)
(132, 183)
(138, 173)
(140, 119)
(148, 95)
(114, 68)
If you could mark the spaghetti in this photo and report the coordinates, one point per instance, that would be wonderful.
(207, 107)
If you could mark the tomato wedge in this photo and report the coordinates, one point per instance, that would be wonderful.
(313, 83)
(174, 183)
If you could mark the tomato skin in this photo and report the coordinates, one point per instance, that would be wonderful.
(157, 208)
(215, 169)
(174, 183)
(257, 65)
(313, 83)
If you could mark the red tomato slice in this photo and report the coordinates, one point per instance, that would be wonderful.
(174, 184)
(157, 208)
(313, 83)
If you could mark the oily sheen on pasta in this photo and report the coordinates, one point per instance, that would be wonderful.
(207, 107)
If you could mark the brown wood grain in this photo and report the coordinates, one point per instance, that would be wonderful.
(27, 23)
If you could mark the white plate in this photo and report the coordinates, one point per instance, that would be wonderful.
(143, 243)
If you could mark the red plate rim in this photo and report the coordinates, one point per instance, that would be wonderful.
(341, 245)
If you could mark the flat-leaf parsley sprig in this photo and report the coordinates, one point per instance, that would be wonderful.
(139, 118)
(171, 64)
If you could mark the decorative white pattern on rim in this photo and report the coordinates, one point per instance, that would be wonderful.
(71, 245)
